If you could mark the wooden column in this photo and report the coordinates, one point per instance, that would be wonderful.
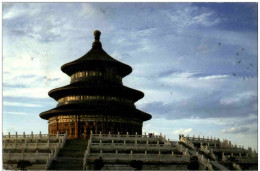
(57, 128)
(76, 129)
(85, 132)
(70, 132)
(95, 126)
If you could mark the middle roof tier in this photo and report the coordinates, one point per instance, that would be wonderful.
(102, 89)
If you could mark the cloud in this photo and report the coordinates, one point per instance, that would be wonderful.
(17, 113)
(241, 129)
(182, 131)
(11, 103)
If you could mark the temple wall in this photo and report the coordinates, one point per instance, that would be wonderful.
(81, 126)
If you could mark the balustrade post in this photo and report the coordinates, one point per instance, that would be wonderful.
(135, 141)
(36, 143)
(15, 135)
(32, 135)
(172, 153)
(15, 144)
(9, 136)
(48, 143)
(23, 154)
(159, 152)
(36, 154)
(145, 152)
(127, 133)
(23, 135)
(40, 135)
(223, 156)
(25, 143)
(116, 151)
(57, 135)
(9, 155)
(147, 142)
(118, 133)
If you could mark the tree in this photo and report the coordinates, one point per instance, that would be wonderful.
(138, 165)
(98, 164)
(22, 164)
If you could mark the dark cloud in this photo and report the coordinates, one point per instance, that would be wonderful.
(203, 106)
(240, 130)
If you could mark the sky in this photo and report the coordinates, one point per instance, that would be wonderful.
(195, 62)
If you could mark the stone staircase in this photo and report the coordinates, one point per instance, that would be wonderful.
(70, 156)
(216, 165)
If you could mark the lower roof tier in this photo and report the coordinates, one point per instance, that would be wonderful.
(96, 109)
(108, 89)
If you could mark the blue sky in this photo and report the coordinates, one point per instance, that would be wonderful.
(195, 62)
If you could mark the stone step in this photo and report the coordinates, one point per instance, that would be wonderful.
(67, 166)
(63, 160)
(66, 154)
(71, 156)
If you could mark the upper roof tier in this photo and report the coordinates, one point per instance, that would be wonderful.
(96, 57)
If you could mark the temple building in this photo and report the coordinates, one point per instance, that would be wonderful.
(96, 99)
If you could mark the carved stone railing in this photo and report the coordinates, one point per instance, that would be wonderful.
(86, 154)
(141, 157)
(186, 142)
(32, 136)
(127, 137)
(201, 139)
(49, 161)
(236, 166)
(20, 142)
(31, 146)
(60, 145)
(203, 149)
(25, 156)
(205, 163)
(130, 146)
